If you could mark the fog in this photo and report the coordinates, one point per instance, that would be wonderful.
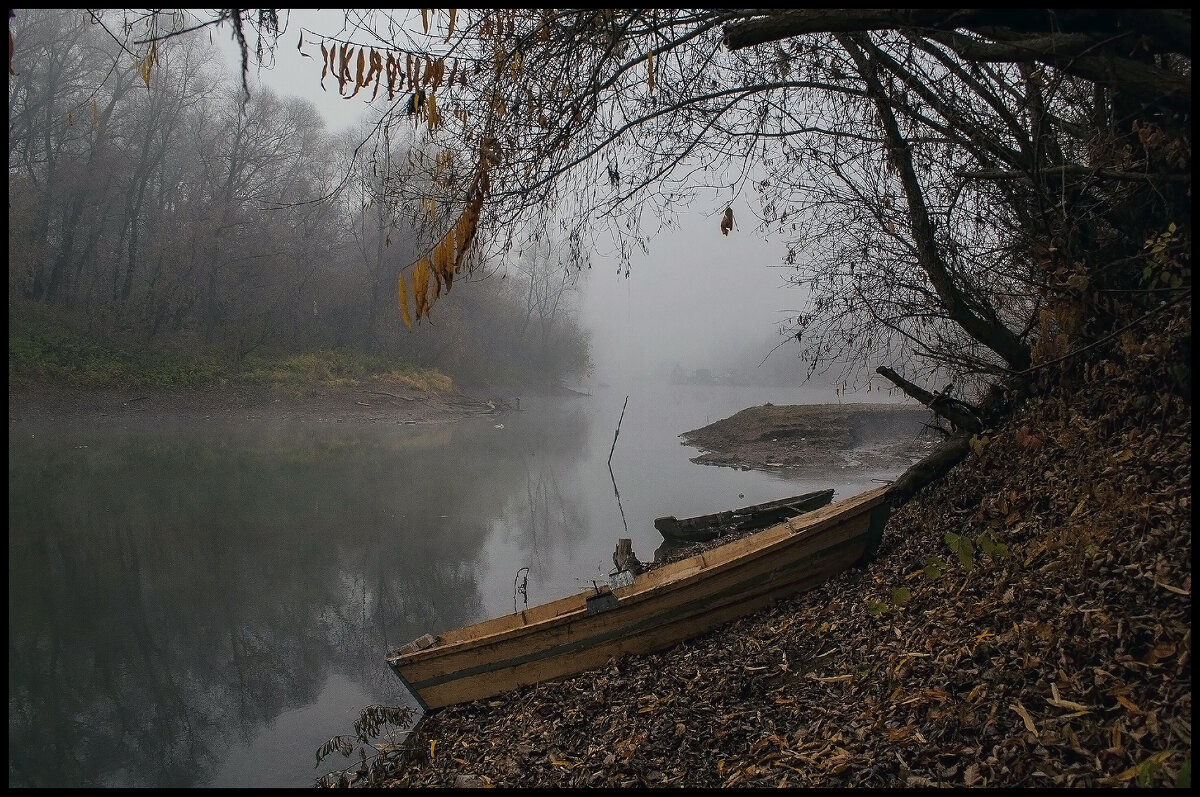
(696, 299)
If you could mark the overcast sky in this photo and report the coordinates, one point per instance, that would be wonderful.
(696, 299)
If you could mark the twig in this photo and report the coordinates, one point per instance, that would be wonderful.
(614, 445)
(611, 475)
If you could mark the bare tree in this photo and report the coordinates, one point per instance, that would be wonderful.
(965, 189)
(963, 147)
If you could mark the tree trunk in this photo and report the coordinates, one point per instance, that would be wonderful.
(979, 322)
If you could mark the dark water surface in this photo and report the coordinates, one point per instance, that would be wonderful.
(205, 604)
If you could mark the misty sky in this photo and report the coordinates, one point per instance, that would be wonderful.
(698, 298)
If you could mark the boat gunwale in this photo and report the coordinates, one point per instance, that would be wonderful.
(735, 595)
(664, 580)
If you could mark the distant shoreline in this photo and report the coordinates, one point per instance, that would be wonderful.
(341, 404)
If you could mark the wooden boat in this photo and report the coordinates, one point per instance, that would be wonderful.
(654, 610)
(757, 516)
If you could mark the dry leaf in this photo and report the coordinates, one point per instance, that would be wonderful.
(1025, 717)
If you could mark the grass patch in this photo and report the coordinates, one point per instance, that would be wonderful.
(334, 368)
(48, 354)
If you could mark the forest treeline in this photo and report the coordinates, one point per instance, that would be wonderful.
(164, 209)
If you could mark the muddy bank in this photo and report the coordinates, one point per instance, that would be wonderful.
(802, 436)
(370, 404)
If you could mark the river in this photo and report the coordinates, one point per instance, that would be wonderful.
(198, 605)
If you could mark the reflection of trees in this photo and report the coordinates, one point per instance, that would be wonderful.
(169, 594)
(544, 519)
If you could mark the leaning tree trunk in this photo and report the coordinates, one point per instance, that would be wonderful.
(967, 420)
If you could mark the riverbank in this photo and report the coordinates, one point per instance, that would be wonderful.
(1027, 622)
(377, 403)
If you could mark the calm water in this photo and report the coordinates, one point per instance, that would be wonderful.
(206, 604)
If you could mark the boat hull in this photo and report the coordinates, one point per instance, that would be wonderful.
(660, 608)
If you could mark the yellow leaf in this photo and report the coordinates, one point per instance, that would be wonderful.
(148, 64)
(432, 744)
(431, 112)
(1068, 704)
(403, 292)
(1025, 717)
(376, 71)
(392, 68)
(420, 287)
(1136, 769)
(358, 75)
(344, 68)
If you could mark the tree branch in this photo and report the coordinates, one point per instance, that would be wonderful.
(1078, 30)
(984, 329)
(959, 413)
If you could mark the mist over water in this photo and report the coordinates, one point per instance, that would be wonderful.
(206, 604)
(696, 300)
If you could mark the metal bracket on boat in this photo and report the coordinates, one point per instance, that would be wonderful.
(603, 599)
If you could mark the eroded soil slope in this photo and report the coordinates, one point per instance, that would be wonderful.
(798, 436)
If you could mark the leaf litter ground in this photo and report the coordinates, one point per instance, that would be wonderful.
(1026, 623)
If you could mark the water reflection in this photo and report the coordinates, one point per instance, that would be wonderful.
(171, 592)
(195, 605)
